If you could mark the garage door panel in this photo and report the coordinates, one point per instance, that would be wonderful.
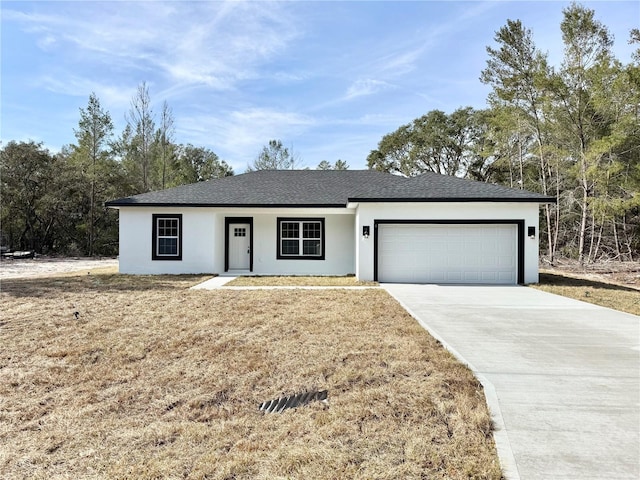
(506, 261)
(505, 278)
(438, 253)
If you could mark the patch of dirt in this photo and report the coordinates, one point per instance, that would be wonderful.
(619, 273)
(42, 266)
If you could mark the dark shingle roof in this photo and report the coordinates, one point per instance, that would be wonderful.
(433, 187)
(326, 188)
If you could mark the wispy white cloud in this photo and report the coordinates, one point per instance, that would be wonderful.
(400, 62)
(327, 78)
(401, 55)
(215, 44)
(376, 119)
(238, 136)
(366, 86)
(47, 42)
(112, 95)
(290, 77)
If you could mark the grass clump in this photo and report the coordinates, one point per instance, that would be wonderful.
(153, 380)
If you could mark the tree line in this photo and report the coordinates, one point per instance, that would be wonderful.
(276, 156)
(54, 203)
(570, 131)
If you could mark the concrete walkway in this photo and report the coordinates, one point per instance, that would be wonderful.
(212, 283)
(562, 377)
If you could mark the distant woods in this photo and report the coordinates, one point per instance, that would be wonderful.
(54, 203)
(570, 131)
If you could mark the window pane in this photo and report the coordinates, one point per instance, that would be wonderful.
(311, 230)
(301, 238)
(167, 227)
(290, 247)
(290, 230)
(166, 237)
(311, 247)
(167, 246)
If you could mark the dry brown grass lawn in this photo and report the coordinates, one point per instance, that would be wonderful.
(299, 281)
(153, 380)
(609, 295)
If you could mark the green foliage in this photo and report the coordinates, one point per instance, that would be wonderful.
(339, 165)
(435, 142)
(139, 153)
(197, 164)
(55, 203)
(516, 70)
(38, 197)
(582, 124)
(274, 156)
(95, 168)
(572, 132)
(163, 144)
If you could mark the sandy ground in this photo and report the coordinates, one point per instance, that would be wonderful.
(620, 273)
(46, 266)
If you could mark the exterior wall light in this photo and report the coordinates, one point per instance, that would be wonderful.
(365, 231)
(531, 231)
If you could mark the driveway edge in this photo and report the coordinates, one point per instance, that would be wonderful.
(500, 435)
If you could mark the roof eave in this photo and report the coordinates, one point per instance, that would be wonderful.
(116, 204)
(457, 199)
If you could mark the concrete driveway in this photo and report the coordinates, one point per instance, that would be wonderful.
(562, 377)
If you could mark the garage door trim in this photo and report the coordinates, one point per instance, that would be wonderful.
(520, 240)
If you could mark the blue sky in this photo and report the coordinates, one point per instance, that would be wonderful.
(329, 79)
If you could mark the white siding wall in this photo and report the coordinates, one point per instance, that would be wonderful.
(203, 243)
(368, 212)
(198, 232)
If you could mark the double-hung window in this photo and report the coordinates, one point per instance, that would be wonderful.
(301, 238)
(167, 237)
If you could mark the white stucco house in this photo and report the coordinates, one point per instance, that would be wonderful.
(428, 229)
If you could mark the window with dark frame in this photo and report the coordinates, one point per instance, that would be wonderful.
(301, 238)
(167, 237)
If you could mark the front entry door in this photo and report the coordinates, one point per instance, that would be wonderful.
(239, 249)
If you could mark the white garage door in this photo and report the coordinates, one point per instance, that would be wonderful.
(433, 253)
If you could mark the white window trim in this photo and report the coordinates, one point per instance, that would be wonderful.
(156, 255)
